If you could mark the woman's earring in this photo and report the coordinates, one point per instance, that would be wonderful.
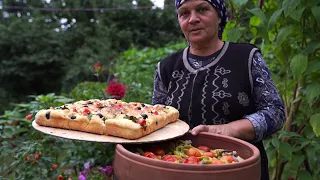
(219, 20)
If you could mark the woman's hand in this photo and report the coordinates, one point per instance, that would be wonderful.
(224, 129)
(242, 129)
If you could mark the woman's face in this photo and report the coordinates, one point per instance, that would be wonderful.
(198, 20)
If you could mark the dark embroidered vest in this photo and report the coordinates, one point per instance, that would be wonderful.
(217, 93)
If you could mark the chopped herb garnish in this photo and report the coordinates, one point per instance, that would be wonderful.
(132, 118)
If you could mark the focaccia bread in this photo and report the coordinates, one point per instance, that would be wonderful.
(109, 117)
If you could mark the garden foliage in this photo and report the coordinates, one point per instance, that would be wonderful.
(286, 31)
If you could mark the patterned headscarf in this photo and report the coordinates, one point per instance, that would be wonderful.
(220, 6)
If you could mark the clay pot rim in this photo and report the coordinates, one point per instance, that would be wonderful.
(204, 167)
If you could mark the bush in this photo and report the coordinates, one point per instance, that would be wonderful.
(136, 69)
(89, 90)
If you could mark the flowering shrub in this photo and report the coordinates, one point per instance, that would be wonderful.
(96, 173)
(115, 89)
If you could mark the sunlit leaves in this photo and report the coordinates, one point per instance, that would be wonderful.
(298, 65)
(259, 13)
(255, 21)
(315, 123)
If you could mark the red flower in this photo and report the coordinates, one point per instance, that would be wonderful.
(98, 67)
(36, 156)
(29, 116)
(54, 166)
(60, 177)
(28, 158)
(117, 90)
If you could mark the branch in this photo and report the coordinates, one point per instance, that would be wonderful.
(306, 162)
(280, 170)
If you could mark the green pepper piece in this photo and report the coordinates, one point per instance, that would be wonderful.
(140, 151)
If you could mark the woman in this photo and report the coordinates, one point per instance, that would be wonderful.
(218, 87)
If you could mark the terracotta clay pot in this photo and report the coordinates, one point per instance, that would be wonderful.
(131, 166)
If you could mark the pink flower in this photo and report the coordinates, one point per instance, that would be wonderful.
(84, 173)
(115, 89)
(82, 177)
(87, 165)
(108, 170)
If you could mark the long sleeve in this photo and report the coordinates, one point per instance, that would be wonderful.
(269, 113)
(159, 90)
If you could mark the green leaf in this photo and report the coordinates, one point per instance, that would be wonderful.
(315, 123)
(239, 3)
(297, 160)
(304, 175)
(311, 47)
(313, 66)
(274, 18)
(312, 91)
(311, 3)
(303, 144)
(289, 134)
(258, 12)
(283, 34)
(286, 150)
(296, 14)
(275, 142)
(298, 65)
(289, 6)
(316, 13)
(233, 34)
(255, 21)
